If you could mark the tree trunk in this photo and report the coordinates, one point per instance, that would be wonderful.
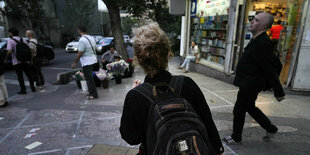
(116, 27)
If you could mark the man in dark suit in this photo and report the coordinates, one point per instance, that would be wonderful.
(255, 73)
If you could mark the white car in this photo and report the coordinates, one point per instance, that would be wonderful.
(72, 46)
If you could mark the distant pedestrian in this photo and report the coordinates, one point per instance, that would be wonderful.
(39, 78)
(108, 57)
(88, 59)
(152, 48)
(3, 89)
(193, 55)
(20, 67)
(275, 33)
(255, 72)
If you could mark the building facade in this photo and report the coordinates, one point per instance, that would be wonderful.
(220, 28)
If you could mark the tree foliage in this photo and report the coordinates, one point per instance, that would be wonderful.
(30, 12)
(79, 12)
(158, 11)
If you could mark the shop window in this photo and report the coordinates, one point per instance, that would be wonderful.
(208, 30)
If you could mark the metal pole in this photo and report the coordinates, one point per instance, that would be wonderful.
(188, 25)
(229, 37)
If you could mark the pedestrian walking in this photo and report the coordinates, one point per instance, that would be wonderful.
(19, 51)
(36, 61)
(152, 48)
(193, 55)
(88, 58)
(3, 89)
(108, 57)
(255, 73)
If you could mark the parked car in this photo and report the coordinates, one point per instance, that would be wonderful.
(72, 46)
(104, 44)
(98, 38)
(3, 51)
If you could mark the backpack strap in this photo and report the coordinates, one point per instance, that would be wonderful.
(15, 40)
(176, 83)
(34, 43)
(16, 43)
(146, 90)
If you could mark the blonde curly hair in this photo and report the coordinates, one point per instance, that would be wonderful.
(152, 47)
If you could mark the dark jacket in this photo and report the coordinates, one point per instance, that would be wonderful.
(256, 67)
(136, 107)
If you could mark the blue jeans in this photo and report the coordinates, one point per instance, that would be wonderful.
(88, 74)
(186, 62)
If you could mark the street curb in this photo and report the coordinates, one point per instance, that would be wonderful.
(65, 77)
(289, 91)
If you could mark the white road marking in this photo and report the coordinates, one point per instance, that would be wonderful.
(217, 95)
(44, 152)
(48, 124)
(223, 106)
(57, 150)
(17, 126)
(229, 149)
(15, 82)
(33, 145)
(79, 123)
(67, 152)
(79, 147)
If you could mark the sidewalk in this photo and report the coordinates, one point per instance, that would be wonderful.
(291, 115)
(64, 122)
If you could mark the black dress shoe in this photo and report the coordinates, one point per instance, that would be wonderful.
(4, 105)
(22, 92)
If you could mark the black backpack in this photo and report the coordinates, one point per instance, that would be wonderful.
(173, 126)
(23, 52)
(44, 52)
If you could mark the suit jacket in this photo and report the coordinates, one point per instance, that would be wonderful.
(256, 66)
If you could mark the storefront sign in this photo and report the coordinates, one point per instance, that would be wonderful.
(212, 7)
(193, 8)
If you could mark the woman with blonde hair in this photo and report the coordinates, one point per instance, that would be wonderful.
(152, 48)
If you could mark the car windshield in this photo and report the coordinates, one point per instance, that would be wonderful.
(77, 39)
(105, 41)
(2, 44)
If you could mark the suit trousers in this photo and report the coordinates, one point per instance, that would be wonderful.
(246, 103)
